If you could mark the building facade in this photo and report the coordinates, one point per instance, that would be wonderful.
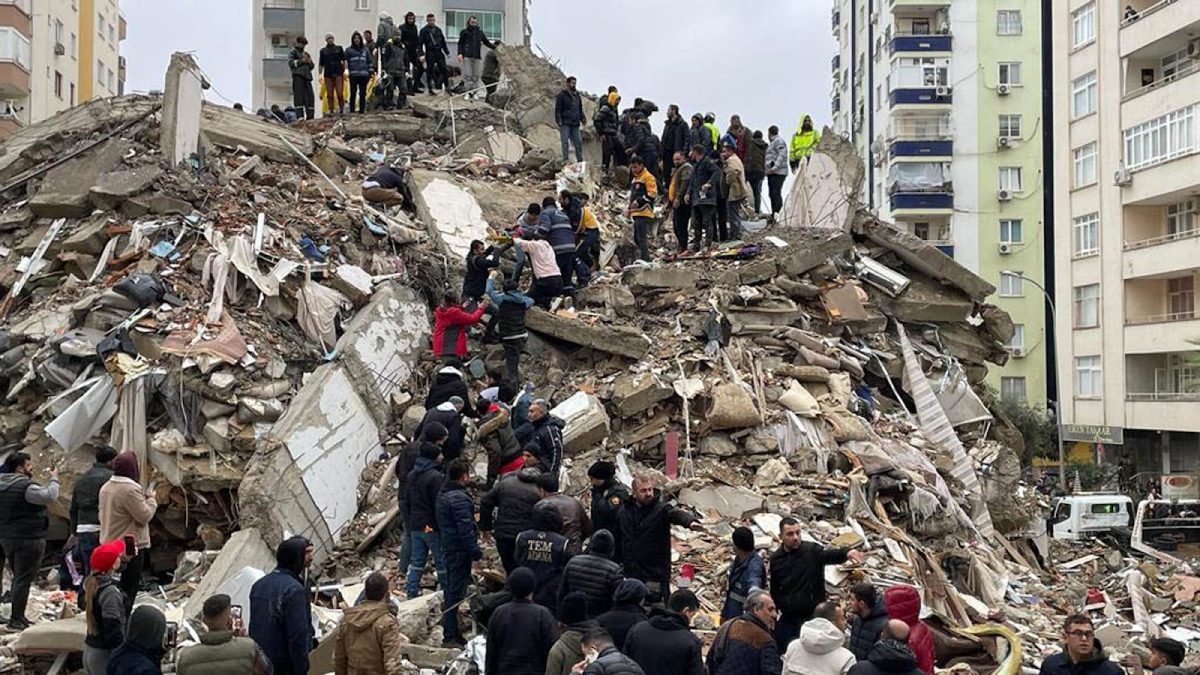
(56, 53)
(277, 24)
(944, 102)
(1127, 99)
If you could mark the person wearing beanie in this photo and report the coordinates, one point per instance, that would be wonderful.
(126, 509)
(332, 62)
(627, 611)
(903, 602)
(608, 495)
(280, 613)
(543, 549)
(449, 414)
(85, 507)
(420, 517)
(577, 526)
(594, 574)
(746, 573)
(665, 645)
(223, 649)
(142, 652)
(104, 607)
(520, 633)
(573, 624)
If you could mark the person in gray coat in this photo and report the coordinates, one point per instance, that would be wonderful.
(777, 168)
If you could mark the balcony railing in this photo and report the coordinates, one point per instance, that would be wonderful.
(1163, 396)
(1141, 14)
(905, 42)
(283, 4)
(908, 129)
(1188, 69)
(1163, 239)
(1160, 318)
(25, 6)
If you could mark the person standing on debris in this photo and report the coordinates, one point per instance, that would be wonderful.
(471, 41)
(675, 138)
(394, 62)
(449, 415)
(606, 121)
(756, 168)
(568, 115)
(526, 226)
(369, 640)
(450, 324)
(681, 211)
(587, 250)
(497, 438)
(360, 67)
(547, 278)
(698, 134)
(1082, 653)
(891, 655)
(491, 73)
(746, 574)
(605, 658)
(643, 191)
(744, 646)
(628, 611)
(819, 650)
(608, 495)
(436, 51)
(520, 633)
(777, 168)
(576, 525)
(643, 143)
(460, 547)
(383, 186)
(280, 611)
(804, 141)
(511, 306)
(85, 506)
(223, 650)
(573, 625)
(645, 524)
(507, 510)
(543, 549)
(410, 39)
(798, 578)
(125, 510)
(710, 123)
(422, 488)
(736, 192)
(431, 434)
(739, 135)
(372, 54)
(301, 65)
(702, 197)
(143, 651)
(479, 264)
(104, 605)
(904, 603)
(448, 383)
(594, 574)
(547, 442)
(332, 62)
(554, 225)
(665, 644)
(868, 616)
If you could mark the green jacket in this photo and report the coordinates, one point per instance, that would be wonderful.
(220, 653)
(803, 142)
(567, 651)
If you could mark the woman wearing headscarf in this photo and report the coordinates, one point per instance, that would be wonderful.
(126, 509)
(142, 652)
(104, 604)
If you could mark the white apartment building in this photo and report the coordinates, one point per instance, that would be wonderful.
(1127, 240)
(277, 24)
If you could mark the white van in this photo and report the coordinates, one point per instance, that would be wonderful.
(1079, 516)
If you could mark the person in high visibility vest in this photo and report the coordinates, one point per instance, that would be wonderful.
(803, 142)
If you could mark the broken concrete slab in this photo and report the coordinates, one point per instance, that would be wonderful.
(717, 445)
(384, 341)
(726, 500)
(245, 548)
(927, 259)
(927, 301)
(659, 277)
(773, 472)
(812, 246)
(115, 187)
(165, 205)
(587, 422)
(635, 393)
(65, 190)
(619, 340)
(451, 212)
(825, 192)
(420, 617)
(401, 128)
(234, 128)
(89, 238)
(616, 298)
(183, 98)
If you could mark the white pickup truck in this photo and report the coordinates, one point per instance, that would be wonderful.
(1088, 514)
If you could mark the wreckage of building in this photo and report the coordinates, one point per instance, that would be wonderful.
(205, 288)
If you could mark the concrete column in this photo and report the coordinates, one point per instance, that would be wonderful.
(182, 100)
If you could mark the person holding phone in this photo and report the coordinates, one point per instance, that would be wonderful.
(223, 648)
(23, 525)
(126, 509)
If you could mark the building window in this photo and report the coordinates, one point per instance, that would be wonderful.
(112, 34)
(99, 73)
(1087, 376)
(1083, 95)
(58, 32)
(58, 82)
(1010, 126)
(74, 45)
(921, 72)
(492, 23)
(1086, 235)
(1011, 285)
(1161, 139)
(1017, 343)
(1087, 305)
(1084, 165)
(1174, 62)
(100, 27)
(1010, 178)
(14, 47)
(72, 93)
(111, 82)
(1083, 25)
(1181, 298)
(1008, 22)
(362, 5)
(1010, 231)
(1010, 73)
(1012, 389)
(1181, 218)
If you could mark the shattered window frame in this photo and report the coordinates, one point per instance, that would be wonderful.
(1088, 382)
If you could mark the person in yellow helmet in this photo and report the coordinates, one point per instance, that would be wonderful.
(803, 142)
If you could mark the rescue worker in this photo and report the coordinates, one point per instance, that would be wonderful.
(450, 324)
(746, 573)
(804, 141)
(608, 494)
(643, 191)
(702, 197)
(511, 306)
(543, 549)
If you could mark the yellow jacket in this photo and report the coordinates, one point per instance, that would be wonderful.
(588, 221)
(803, 142)
(642, 193)
(716, 134)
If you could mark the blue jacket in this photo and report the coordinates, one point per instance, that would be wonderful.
(281, 621)
(568, 109)
(864, 633)
(358, 60)
(555, 227)
(743, 576)
(424, 483)
(456, 521)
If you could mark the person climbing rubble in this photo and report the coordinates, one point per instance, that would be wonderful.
(23, 526)
(798, 578)
(104, 606)
(1082, 652)
(280, 611)
(587, 247)
(554, 226)
(506, 511)
(628, 610)
(547, 278)
(890, 655)
(819, 650)
(451, 322)
(449, 416)
(543, 550)
(510, 307)
(496, 435)
(745, 646)
(479, 263)
(520, 633)
(606, 121)
(420, 519)
(645, 525)
(577, 526)
(904, 603)
(868, 616)
(747, 572)
(126, 509)
(383, 186)
(664, 644)
(460, 546)
(431, 438)
(223, 649)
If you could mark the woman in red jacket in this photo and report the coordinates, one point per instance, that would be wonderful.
(450, 323)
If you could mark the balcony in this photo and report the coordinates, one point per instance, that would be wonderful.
(1153, 22)
(920, 44)
(1167, 255)
(921, 96)
(14, 80)
(1160, 83)
(1163, 415)
(276, 71)
(918, 5)
(17, 15)
(930, 148)
(1152, 326)
(1161, 390)
(283, 16)
(913, 203)
(1163, 180)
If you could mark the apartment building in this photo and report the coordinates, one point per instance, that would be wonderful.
(277, 24)
(944, 102)
(56, 53)
(1127, 98)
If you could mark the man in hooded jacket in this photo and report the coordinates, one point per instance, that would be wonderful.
(410, 39)
(547, 442)
(804, 141)
(543, 549)
(594, 574)
(891, 655)
(675, 138)
(574, 624)
(627, 611)
(819, 650)
(450, 324)
(420, 518)
(449, 415)
(460, 547)
(280, 612)
(447, 384)
(520, 633)
(904, 603)
(142, 652)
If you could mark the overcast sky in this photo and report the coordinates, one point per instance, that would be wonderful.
(768, 65)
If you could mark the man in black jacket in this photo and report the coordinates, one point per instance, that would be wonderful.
(665, 645)
(645, 524)
(479, 264)
(23, 525)
(507, 510)
(449, 415)
(470, 54)
(410, 38)
(609, 659)
(608, 494)
(332, 61)
(420, 518)
(547, 442)
(301, 65)
(627, 611)
(280, 610)
(868, 618)
(436, 51)
(568, 115)
(892, 656)
(510, 308)
(702, 193)
(85, 507)
(449, 382)
(798, 579)
(543, 549)
(1082, 653)
(432, 434)
(520, 633)
(606, 121)
(675, 138)
(456, 532)
(594, 574)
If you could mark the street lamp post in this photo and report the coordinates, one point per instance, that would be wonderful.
(1062, 455)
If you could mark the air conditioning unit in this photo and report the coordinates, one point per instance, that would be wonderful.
(1003, 142)
(1122, 177)
(943, 91)
(59, 49)
(1006, 248)
(1017, 352)
(1005, 195)
(1003, 89)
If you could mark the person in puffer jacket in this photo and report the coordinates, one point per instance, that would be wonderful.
(891, 655)
(594, 574)
(360, 66)
(818, 650)
(450, 324)
(554, 225)
(547, 442)
(904, 603)
(507, 510)
(869, 617)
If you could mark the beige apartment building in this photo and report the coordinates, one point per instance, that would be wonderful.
(1127, 241)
